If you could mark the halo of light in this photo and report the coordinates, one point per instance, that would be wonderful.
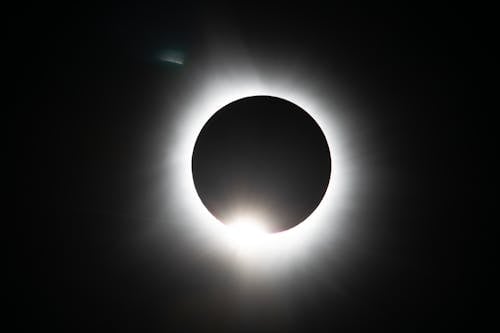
(213, 91)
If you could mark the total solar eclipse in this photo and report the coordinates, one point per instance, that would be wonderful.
(261, 156)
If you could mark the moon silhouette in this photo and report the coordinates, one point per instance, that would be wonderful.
(261, 156)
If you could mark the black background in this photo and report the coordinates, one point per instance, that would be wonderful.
(88, 97)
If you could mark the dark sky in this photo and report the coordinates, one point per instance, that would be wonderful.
(89, 96)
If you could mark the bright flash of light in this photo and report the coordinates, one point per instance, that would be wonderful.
(246, 234)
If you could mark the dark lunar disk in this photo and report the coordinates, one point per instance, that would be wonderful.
(261, 156)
